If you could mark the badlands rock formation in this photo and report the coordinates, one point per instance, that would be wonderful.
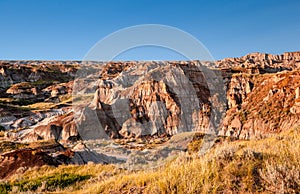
(247, 97)
(136, 99)
(128, 105)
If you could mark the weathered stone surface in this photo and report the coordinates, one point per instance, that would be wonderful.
(271, 106)
(134, 99)
(83, 155)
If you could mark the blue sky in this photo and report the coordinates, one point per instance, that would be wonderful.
(67, 29)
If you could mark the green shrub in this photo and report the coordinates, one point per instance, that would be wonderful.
(64, 180)
(5, 187)
(50, 183)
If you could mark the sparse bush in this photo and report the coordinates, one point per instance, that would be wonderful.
(281, 178)
(5, 187)
(226, 153)
(281, 171)
(249, 154)
(194, 146)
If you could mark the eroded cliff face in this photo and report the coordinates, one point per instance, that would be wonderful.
(262, 93)
(133, 99)
(154, 98)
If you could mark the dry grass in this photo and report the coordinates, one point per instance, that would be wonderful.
(41, 106)
(267, 165)
(6, 146)
(6, 100)
(57, 179)
(64, 100)
(89, 169)
(229, 167)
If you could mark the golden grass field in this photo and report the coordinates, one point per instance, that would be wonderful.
(267, 165)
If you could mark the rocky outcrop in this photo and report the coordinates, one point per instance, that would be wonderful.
(12, 122)
(22, 90)
(83, 155)
(28, 92)
(14, 72)
(262, 63)
(56, 90)
(238, 89)
(271, 106)
(50, 153)
(62, 127)
(21, 160)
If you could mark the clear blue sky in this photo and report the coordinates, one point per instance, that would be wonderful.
(67, 29)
